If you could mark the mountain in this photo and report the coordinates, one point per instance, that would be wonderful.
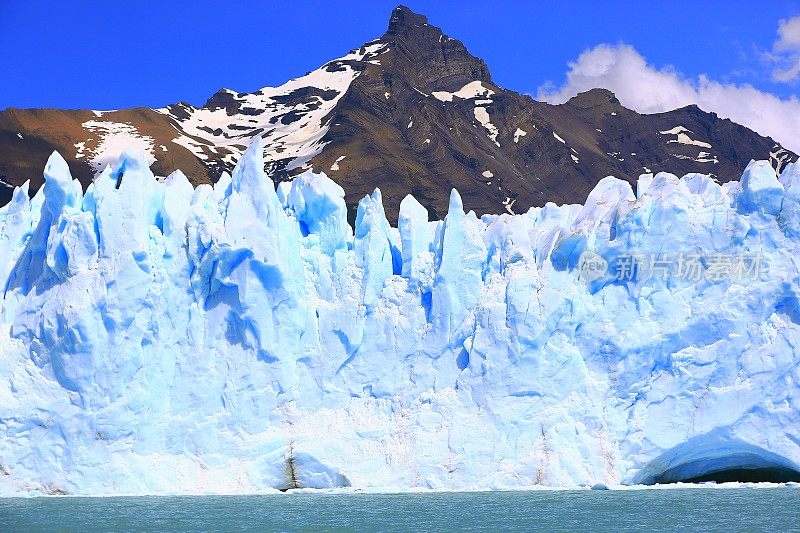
(157, 338)
(411, 112)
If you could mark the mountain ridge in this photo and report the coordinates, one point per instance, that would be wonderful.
(410, 112)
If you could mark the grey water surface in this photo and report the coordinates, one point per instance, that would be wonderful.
(697, 509)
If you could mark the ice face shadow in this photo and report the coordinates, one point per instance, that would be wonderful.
(713, 457)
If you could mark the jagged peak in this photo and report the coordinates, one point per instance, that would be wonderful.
(224, 98)
(403, 17)
(694, 109)
(409, 27)
(431, 60)
(596, 97)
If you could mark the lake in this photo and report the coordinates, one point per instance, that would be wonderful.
(753, 508)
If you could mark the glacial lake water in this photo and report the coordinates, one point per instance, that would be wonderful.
(775, 509)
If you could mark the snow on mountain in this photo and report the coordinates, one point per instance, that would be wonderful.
(162, 338)
(113, 138)
(292, 119)
(473, 89)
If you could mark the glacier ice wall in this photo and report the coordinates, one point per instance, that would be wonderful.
(160, 338)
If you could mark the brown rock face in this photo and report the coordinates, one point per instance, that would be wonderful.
(411, 112)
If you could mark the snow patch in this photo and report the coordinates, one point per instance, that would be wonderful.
(675, 131)
(702, 157)
(682, 137)
(335, 165)
(508, 204)
(112, 139)
(482, 116)
(473, 89)
(685, 139)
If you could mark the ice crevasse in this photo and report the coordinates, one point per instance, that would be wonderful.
(161, 338)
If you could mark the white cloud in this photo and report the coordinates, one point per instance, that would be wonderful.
(788, 34)
(786, 51)
(647, 89)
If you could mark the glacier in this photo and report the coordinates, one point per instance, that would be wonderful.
(159, 338)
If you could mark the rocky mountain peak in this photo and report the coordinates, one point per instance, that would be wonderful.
(404, 20)
(595, 98)
(428, 58)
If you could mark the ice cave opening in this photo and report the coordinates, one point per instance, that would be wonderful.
(705, 459)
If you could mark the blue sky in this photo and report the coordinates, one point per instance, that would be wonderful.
(87, 54)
